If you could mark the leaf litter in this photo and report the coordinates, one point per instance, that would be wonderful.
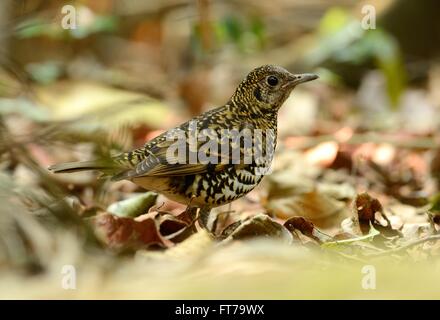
(342, 195)
(308, 217)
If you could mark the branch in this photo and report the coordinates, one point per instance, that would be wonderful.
(435, 237)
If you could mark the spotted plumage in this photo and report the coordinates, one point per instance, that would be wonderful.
(223, 176)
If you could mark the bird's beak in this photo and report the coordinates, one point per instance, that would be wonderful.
(301, 78)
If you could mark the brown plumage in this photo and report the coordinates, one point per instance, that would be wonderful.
(222, 178)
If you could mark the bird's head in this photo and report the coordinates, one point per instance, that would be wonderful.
(267, 87)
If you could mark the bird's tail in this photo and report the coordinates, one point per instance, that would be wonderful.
(82, 166)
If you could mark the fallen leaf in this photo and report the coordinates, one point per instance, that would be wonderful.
(324, 154)
(122, 233)
(260, 225)
(384, 154)
(177, 228)
(365, 209)
(306, 228)
(319, 208)
(133, 206)
(97, 103)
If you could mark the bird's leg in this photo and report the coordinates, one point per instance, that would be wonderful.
(191, 212)
(190, 215)
(202, 216)
(204, 220)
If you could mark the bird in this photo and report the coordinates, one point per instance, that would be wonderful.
(214, 158)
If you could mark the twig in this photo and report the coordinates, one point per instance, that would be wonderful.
(435, 237)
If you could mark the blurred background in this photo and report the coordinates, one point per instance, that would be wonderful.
(84, 79)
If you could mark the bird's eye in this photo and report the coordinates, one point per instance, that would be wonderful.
(272, 81)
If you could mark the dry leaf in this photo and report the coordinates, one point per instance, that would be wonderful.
(260, 225)
(126, 233)
(306, 228)
(322, 210)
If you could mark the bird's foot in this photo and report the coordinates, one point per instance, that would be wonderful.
(204, 218)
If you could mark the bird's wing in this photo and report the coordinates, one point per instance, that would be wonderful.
(163, 157)
(167, 157)
(160, 161)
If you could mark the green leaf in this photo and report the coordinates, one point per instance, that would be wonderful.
(233, 28)
(334, 20)
(134, 206)
(387, 55)
(23, 107)
(373, 232)
(342, 40)
(45, 72)
(37, 27)
(100, 24)
(435, 203)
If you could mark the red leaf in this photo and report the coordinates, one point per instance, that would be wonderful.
(128, 233)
